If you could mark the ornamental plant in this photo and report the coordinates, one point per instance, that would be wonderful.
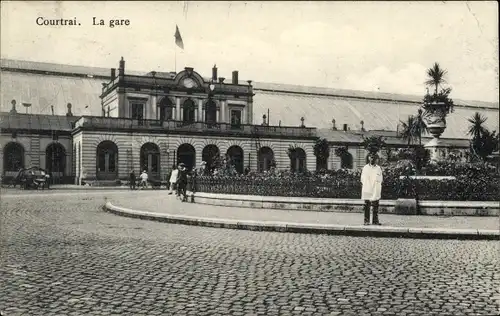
(341, 151)
(373, 144)
(439, 101)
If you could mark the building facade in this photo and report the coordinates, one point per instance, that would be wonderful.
(105, 123)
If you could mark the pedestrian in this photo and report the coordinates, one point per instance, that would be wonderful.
(371, 180)
(132, 180)
(144, 179)
(182, 182)
(174, 175)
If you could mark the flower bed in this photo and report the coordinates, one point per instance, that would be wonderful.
(472, 183)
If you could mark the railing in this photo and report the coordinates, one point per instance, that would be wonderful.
(194, 127)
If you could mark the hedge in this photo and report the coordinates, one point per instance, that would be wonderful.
(472, 183)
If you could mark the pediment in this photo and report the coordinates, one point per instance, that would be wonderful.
(191, 75)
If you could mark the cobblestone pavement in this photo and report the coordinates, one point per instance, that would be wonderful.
(62, 255)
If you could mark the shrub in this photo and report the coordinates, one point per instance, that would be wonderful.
(473, 182)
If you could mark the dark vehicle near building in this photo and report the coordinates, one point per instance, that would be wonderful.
(30, 178)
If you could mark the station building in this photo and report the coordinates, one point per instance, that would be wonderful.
(84, 123)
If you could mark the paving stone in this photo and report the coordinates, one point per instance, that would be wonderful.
(107, 264)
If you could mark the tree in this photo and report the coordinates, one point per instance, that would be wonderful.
(373, 144)
(435, 76)
(485, 144)
(476, 128)
(438, 102)
(420, 127)
(322, 152)
(408, 129)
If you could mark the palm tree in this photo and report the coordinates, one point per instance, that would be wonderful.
(420, 127)
(476, 128)
(408, 129)
(435, 76)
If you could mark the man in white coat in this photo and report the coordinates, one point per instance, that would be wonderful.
(371, 180)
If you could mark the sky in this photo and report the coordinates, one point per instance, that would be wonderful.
(370, 46)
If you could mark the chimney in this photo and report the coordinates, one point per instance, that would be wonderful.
(113, 74)
(121, 70)
(235, 77)
(345, 127)
(333, 123)
(69, 110)
(13, 110)
(214, 73)
(221, 79)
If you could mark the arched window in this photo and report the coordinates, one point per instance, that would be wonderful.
(187, 155)
(55, 159)
(150, 158)
(211, 155)
(235, 156)
(346, 161)
(297, 160)
(210, 111)
(165, 109)
(188, 111)
(107, 160)
(266, 158)
(13, 157)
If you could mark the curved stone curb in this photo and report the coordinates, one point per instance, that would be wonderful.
(309, 228)
(441, 208)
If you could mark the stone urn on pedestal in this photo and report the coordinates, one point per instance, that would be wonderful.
(436, 107)
(435, 113)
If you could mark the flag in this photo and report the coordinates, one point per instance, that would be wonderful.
(178, 38)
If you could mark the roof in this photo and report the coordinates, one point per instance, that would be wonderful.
(318, 111)
(390, 137)
(36, 122)
(46, 84)
(322, 91)
(42, 91)
(264, 86)
(339, 136)
(13, 64)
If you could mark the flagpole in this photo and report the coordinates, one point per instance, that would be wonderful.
(175, 59)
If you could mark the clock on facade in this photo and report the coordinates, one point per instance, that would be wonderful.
(189, 83)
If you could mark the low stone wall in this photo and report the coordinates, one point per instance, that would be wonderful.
(442, 208)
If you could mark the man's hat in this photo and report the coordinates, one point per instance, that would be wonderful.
(182, 164)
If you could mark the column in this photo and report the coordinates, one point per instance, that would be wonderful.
(154, 109)
(218, 115)
(178, 116)
(200, 110)
(223, 111)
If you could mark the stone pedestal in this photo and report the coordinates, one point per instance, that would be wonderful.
(436, 124)
(438, 151)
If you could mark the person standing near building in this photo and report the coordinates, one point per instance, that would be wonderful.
(182, 182)
(132, 180)
(144, 179)
(174, 175)
(371, 180)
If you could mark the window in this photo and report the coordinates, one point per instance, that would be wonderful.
(138, 112)
(13, 157)
(235, 118)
